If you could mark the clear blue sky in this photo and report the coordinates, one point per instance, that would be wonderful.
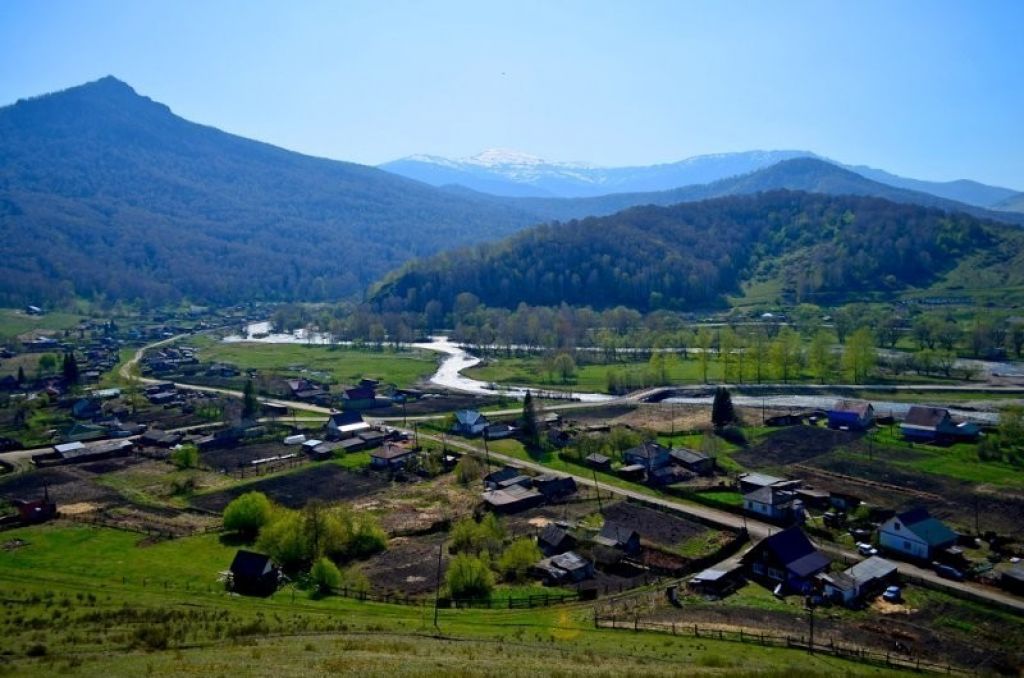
(932, 89)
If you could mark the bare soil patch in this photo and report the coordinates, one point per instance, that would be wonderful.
(67, 485)
(408, 566)
(656, 527)
(794, 445)
(326, 482)
(242, 456)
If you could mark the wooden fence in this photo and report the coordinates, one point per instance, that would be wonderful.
(849, 652)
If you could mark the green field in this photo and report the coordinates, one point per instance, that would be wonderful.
(94, 601)
(14, 323)
(341, 365)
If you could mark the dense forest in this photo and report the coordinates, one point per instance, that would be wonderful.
(690, 256)
(108, 194)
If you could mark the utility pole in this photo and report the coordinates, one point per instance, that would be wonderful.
(487, 456)
(600, 508)
(810, 621)
(437, 588)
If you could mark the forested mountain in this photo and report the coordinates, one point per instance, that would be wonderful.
(512, 174)
(798, 174)
(691, 255)
(105, 193)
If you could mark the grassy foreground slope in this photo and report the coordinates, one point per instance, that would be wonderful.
(74, 603)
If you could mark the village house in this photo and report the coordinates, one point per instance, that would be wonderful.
(787, 559)
(469, 423)
(693, 461)
(568, 567)
(554, 486)
(934, 425)
(599, 462)
(851, 415)
(495, 478)
(253, 574)
(554, 540)
(359, 398)
(853, 585)
(749, 482)
(345, 424)
(915, 534)
(781, 506)
(717, 581)
(512, 499)
(650, 455)
(618, 536)
(391, 457)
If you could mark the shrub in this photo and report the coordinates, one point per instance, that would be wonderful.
(186, 456)
(248, 514)
(515, 562)
(469, 536)
(325, 575)
(469, 577)
(284, 540)
(468, 470)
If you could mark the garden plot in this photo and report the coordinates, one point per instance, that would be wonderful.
(242, 456)
(66, 485)
(408, 566)
(794, 445)
(326, 482)
(656, 527)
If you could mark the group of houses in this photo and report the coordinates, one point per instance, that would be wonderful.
(509, 490)
(655, 464)
(789, 563)
(922, 423)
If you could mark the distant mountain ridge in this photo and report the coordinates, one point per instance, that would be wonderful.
(512, 174)
(806, 174)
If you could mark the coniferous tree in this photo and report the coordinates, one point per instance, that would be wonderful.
(722, 412)
(531, 429)
(70, 369)
(250, 405)
(21, 375)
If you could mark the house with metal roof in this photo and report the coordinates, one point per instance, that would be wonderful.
(786, 558)
(852, 585)
(916, 534)
(469, 423)
(693, 461)
(651, 455)
(851, 415)
(929, 425)
(780, 506)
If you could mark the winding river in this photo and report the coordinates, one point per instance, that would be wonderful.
(457, 359)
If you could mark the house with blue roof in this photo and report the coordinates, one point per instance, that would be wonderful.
(916, 534)
(787, 558)
(469, 423)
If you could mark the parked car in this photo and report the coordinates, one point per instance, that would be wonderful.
(892, 594)
(948, 572)
(866, 549)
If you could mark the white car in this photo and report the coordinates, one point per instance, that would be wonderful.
(866, 549)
